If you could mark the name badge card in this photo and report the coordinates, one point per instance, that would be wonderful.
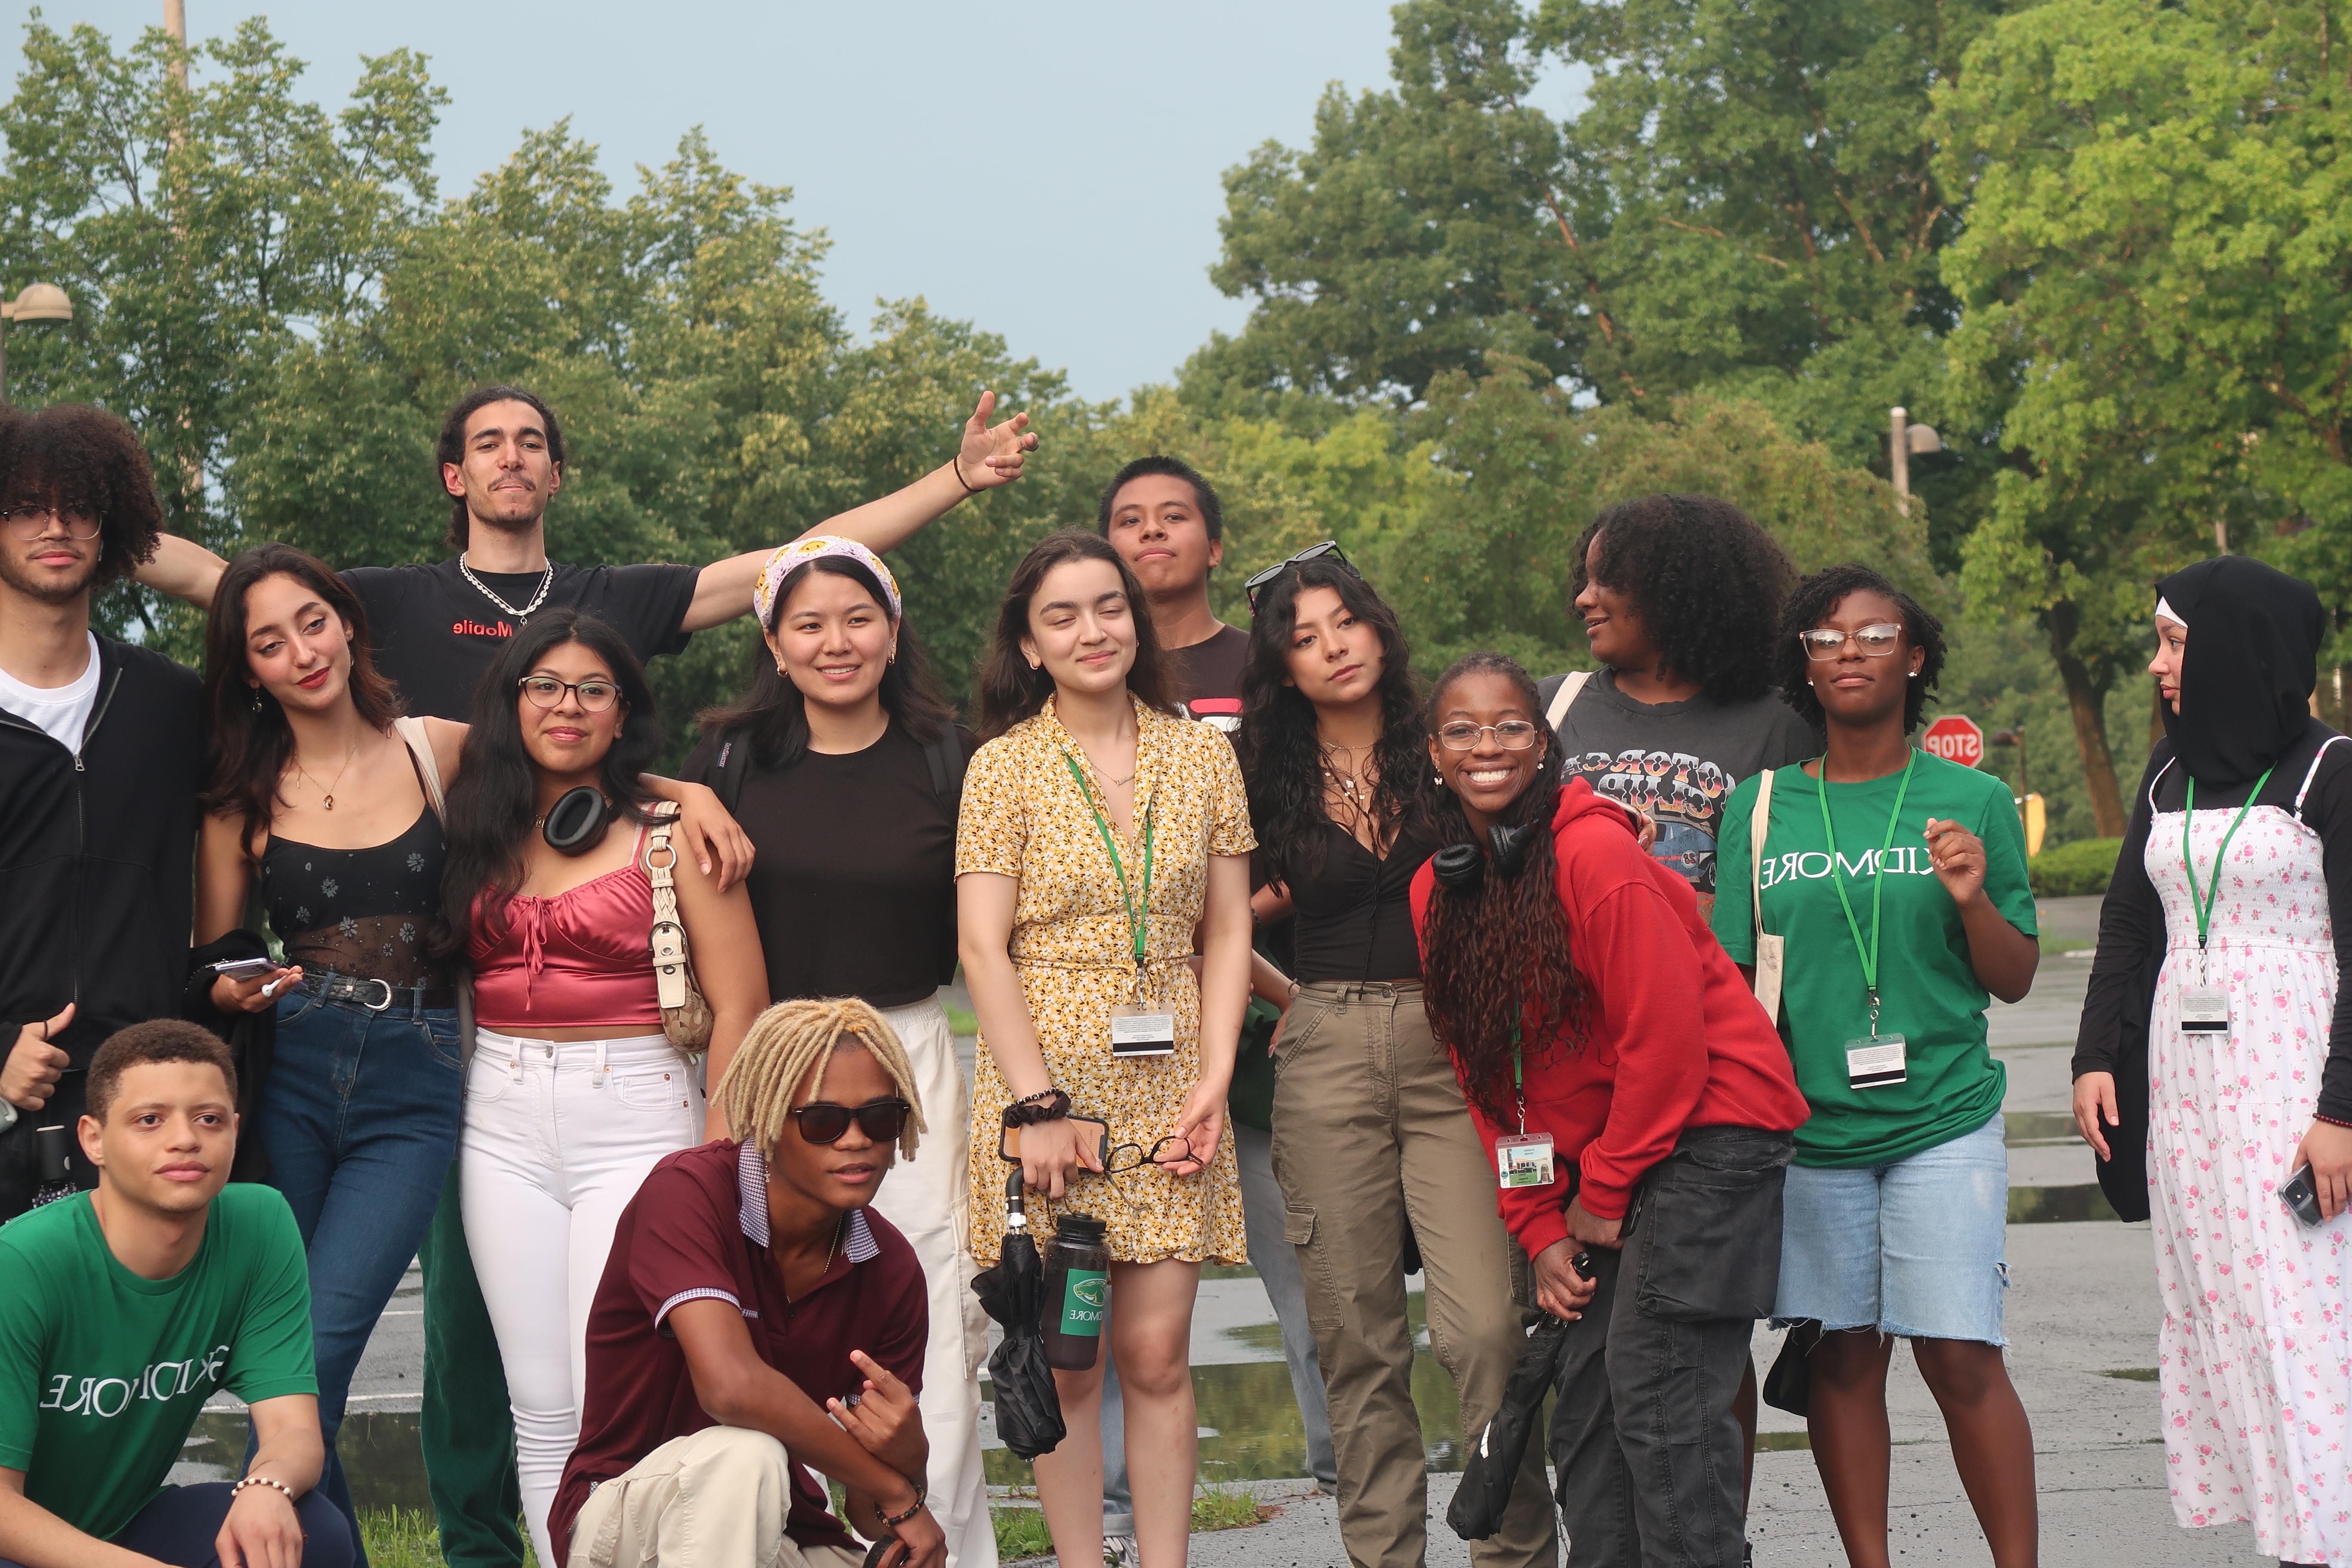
(1524, 1160)
(2204, 1010)
(1876, 1061)
(1137, 1031)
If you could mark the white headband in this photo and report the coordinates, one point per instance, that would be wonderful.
(790, 558)
(2165, 611)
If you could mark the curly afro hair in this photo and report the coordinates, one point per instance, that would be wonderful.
(72, 455)
(1817, 598)
(1707, 581)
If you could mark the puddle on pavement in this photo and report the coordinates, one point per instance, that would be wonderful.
(382, 1458)
(2051, 1205)
(2038, 1129)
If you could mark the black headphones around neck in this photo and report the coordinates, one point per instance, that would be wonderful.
(575, 824)
(1461, 868)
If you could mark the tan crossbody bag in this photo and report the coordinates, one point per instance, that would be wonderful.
(1772, 951)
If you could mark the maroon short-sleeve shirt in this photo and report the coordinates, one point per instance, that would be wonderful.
(698, 1229)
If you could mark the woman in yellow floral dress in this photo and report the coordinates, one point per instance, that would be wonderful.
(1098, 833)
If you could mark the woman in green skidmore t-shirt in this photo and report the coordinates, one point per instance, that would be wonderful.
(1897, 883)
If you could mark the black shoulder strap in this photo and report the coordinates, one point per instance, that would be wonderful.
(944, 753)
(727, 768)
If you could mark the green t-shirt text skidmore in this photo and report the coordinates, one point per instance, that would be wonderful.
(1927, 985)
(103, 1374)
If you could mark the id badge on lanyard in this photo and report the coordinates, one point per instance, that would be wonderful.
(1523, 1159)
(1142, 1027)
(2205, 1007)
(1874, 1061)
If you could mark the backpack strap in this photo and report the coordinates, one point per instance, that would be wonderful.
(944, 755)
(727, 768)
(1571, 685)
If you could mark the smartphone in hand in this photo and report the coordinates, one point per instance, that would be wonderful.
(244, 969)
(2301, 1197)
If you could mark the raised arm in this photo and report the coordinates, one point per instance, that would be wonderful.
(989, 456)
(184, 569)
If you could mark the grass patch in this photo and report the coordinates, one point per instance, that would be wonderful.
(408, 1537)
(1782, 1442)
(961, 1020)
(2133, 1373)
(1021, 1532)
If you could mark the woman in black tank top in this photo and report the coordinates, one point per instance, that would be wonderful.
(326, 795)
(1374, 1143)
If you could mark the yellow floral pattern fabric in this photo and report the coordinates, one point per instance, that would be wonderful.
(1024, 817)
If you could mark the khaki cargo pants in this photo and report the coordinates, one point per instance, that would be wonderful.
(1370, 1133)
(713, 1498)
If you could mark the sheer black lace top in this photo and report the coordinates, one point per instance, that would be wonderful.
(361, 912)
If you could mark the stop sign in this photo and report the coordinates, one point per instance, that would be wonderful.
(1956, 738)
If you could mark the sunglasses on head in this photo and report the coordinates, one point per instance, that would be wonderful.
(825, 1122)
(1328, 550)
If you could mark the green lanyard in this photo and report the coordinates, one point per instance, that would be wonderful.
(2204, 907)
(1138, 920)
(1869, 955)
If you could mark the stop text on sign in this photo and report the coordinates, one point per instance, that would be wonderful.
(1957, 739)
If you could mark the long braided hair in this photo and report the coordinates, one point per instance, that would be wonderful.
(791, 1041)
(1495, 967)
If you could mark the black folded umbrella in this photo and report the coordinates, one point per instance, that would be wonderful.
(1028, 1410)
(1480, 1501)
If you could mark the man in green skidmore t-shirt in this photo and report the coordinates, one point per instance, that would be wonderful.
(124, 1309)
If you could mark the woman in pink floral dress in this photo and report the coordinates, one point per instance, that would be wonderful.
(2216, 1023)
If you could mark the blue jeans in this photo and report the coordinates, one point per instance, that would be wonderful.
(180, 1525)
(360, 1118)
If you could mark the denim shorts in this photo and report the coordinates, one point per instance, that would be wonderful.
(1911, 1248)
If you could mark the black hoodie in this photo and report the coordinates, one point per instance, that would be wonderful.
(97, 866)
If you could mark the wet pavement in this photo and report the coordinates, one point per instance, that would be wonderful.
(2082, 1317)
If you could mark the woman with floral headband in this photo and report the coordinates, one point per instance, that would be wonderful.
(844, 763)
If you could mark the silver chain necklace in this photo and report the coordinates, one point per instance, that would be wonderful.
(546, 580)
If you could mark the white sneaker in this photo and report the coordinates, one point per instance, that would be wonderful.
(1119, 1551)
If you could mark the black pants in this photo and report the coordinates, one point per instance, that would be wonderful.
(179, 1527)
(1644, 1440)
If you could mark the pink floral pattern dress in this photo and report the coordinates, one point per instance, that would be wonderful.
(2254, 1363)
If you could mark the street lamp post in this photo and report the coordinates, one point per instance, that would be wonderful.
(38, 302)
(1904, 440)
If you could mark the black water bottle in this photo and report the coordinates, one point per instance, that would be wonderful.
(1076, 1293)
(56, 1175)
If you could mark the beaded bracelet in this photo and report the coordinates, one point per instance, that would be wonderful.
(263, 1482)
(1046, 1105)
(892, 1521)
(2331, 1121)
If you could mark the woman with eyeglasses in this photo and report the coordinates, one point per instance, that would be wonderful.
(575, 1090)
(1371, 1141)
(1635, 1107)
(843, 764)
(1894, 905)
(1098, 833)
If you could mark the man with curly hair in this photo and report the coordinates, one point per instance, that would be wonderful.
(101, 755)
(1680, 596)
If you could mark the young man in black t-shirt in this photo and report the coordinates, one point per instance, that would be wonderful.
(434, 630)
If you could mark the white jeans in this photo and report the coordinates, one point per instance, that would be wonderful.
(558, 1135)
(929, 1198)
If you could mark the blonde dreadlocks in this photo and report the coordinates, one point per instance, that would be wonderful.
(792, 1040)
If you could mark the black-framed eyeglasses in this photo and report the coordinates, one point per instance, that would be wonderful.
(881, 1121)
(1328, 550)
(1171, 1150)
(1875, 640)
(546, 691)
(29, 522)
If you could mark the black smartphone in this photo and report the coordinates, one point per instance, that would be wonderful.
(2302, 1197)
(1009, 1148)
(243, 968)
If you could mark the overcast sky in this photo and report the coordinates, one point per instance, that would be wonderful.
(1049, 171)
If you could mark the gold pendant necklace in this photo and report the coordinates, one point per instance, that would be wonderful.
(329, 793)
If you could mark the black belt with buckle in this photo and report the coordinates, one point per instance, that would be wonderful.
(376, 995)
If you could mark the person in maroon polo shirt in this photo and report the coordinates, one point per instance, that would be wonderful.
(755, 1319)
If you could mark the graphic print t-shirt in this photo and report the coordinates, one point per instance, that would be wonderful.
(1928, 986)
(1208, 676)
(1678, 761)
(433, 633)
(102, 1373)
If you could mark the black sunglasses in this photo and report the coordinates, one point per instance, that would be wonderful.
(879, 1119)
(1328, 550)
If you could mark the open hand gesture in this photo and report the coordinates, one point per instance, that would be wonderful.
(992, 454)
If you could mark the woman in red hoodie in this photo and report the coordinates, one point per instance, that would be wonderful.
(1638, 1104)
